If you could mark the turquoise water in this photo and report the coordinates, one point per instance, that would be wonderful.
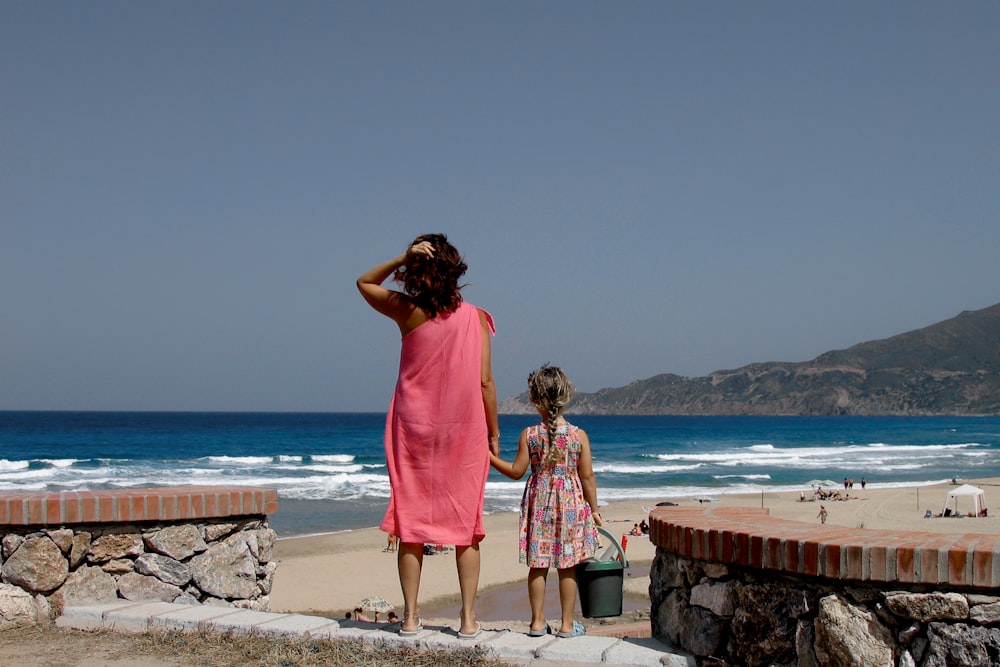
(329, 468)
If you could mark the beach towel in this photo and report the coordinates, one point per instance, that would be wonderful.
(436, 435)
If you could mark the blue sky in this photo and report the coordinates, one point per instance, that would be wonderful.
(189, 189)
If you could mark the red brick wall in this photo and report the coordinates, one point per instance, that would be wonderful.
(751, 537)
(167, 504)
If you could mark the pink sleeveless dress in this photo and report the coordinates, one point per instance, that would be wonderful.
(436, 445)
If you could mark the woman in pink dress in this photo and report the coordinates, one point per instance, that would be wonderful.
(442, 422)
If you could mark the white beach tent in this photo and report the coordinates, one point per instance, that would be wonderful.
(966, 490)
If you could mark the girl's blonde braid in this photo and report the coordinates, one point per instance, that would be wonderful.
(551, 391)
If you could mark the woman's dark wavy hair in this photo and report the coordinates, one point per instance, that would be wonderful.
(431, 283)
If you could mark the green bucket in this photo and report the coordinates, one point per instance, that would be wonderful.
(601, 580)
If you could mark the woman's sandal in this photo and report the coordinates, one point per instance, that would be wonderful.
(409, 617)
(578, 631)
(471, 635)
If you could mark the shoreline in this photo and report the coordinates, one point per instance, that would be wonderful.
(328, 574)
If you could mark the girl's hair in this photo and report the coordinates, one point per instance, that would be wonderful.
(431, 283)
(550, 391)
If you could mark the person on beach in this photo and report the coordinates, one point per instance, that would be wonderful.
(822, 514)
(442, 423)
(559, 506)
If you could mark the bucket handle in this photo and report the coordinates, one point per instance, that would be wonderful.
(615, 543)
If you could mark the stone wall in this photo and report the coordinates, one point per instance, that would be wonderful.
(195, 545)
(738, 587)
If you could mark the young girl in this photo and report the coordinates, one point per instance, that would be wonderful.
(559, 506)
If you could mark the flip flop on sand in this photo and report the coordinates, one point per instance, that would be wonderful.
(578, 631)
(471, 635)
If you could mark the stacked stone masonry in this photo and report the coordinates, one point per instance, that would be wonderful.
(195, 545)
(735, 586)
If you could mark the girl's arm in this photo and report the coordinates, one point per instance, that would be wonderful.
(585, 468)
(515, 469)
(390, 303)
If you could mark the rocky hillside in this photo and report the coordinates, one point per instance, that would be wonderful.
(948, 368)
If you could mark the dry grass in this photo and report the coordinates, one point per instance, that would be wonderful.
(52, 647)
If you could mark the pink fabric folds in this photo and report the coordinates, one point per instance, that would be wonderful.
(436, 435)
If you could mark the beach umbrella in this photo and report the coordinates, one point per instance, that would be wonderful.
(375, 603)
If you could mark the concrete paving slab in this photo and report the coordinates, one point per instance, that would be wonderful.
(245, 620)
(297, 624)
(136, 617)
(514, 647)
(622, 653)
(88, 617)
(625, 653)
(189, 617)
(517, 645)
(580, 649)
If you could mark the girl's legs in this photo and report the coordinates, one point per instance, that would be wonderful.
(467, 562)
(410, 562)
(536, 596)
(567, 597)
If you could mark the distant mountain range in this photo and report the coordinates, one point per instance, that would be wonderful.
(948, 368)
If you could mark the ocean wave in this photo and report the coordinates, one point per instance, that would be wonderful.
(240, 460)
(633, 469)
(333, 458)
(60, 463)
(12, 465)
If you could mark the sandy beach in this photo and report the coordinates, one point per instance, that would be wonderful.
(329, 574)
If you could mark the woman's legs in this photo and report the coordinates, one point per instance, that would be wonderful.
(567, 597)
(410, 562)
(536, 596)
(467, 562)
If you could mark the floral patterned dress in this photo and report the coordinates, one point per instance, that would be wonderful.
(557, 526)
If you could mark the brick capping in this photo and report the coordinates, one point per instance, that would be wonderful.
(750, 537)
(128, 505)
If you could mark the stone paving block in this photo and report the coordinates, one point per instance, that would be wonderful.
(344, 632)
(297, 624)
(88, 617)
(517, 645)
(514, 647)
(191, 617)
(580, 649)
(632, 652)
(244, 620)
(136, 617)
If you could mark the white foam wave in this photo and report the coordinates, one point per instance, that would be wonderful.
(823, 457)
(741, 476)
(241, 460)
(333, 458)
(12, 465)
(60, 463)
(632, 469)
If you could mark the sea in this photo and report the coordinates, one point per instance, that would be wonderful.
(330, 475)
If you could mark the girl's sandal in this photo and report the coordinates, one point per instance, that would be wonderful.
(578, 631)
(540, 632)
